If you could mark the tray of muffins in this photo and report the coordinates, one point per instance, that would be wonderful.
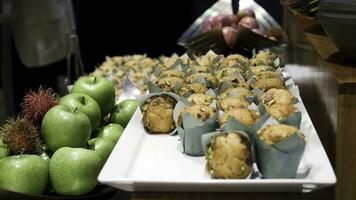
(216, 123)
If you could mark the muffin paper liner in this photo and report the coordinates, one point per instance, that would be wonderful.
(141, 100)
(192, 130)
(280, 160)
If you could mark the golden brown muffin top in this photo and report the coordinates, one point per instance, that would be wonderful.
(281, 111)
(232, 103)
(192, 88)
(275, 133)
(268, 83)
(201, 99)
(168, 83)
(244, 115)
(200, 112)
(235, 60)
(242, 91)
(280, 96)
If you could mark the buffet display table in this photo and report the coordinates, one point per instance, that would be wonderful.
(328, 86)
(327, 83)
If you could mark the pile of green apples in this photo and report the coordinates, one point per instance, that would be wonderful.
(79, 134)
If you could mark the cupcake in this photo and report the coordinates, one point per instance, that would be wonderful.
(158, 114)
(229, 156)
(201, 99)
(232, 103)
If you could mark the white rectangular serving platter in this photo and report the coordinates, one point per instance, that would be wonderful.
(144, 162)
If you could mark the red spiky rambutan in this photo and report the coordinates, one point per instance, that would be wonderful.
(36, 104)
(21, 136)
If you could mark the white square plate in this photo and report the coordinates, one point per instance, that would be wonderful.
(144, 162)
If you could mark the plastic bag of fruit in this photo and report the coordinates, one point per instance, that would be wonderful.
(250, 22)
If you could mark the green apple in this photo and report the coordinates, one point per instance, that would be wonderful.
(98, 88)
(74, 171)
(112, 132)
(86, 105)
(122, 112)
(64, 126)
(102, 146)
(4, 151)
(24, 173)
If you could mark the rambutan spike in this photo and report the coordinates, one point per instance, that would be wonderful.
(21, 136)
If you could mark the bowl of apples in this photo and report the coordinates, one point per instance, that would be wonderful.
(56, 147)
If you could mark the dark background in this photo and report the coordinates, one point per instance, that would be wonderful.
(109, 28)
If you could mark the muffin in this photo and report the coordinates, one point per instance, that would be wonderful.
(192, 88)
(244, 115)
(266, 74)
(200, 112)
(198, 69)
(264, 58)
(268, 83)
(168, 83)
(226, 72)
(201, 99)
(235, 80)
(207, 76)
(232, 103)
(229, 156)
(279, 96)
(260, 68)
(275, 133)
(171, 73)
(241, 91)
(235, 60)
(158, 114)
(281, 111)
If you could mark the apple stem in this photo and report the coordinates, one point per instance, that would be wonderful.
(75, 109)
(83, 100)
